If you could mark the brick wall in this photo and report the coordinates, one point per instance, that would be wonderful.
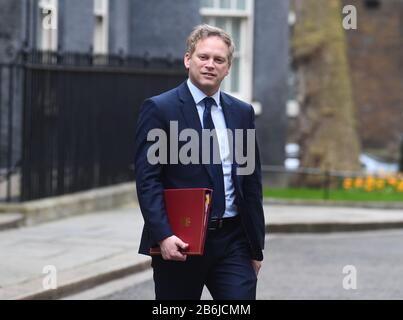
(375, 52)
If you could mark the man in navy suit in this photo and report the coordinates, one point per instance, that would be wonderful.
(235, 238)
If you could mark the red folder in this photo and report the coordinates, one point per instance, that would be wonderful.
(188, 211)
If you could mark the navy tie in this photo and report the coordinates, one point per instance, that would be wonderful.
(218, 204)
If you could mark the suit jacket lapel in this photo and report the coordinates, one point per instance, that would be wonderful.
(189, 111)
(188, 108)
(229, 112)
(232, 122)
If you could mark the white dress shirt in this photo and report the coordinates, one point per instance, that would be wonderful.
(217, 115)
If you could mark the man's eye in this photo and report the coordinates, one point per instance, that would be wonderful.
(203, 57)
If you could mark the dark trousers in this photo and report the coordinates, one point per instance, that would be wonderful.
(225, 268)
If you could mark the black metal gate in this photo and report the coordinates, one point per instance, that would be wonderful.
(69, 120)
(10, 123)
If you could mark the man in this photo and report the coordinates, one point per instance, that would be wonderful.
(235, 238)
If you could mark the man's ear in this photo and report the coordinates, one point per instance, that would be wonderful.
(229, 67)
(186, 59)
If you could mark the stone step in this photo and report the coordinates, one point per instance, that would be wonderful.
(11, 220)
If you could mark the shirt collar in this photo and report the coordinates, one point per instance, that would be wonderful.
(199, 95)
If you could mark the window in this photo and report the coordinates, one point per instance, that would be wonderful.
(372, 4)
(101, 26)
(235, 17)
(292, 106)
(47, 28)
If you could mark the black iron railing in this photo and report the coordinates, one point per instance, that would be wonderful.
(68, 120)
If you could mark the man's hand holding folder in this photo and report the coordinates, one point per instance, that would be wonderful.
(173, 248)
(188, 211)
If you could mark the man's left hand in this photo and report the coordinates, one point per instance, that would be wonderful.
(256, 266)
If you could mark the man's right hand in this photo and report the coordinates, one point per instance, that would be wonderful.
(171, 248)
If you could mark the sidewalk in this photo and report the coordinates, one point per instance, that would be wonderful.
(91, 249)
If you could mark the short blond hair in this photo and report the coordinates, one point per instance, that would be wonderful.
(204, 31)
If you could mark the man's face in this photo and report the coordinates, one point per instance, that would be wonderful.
(208, 65)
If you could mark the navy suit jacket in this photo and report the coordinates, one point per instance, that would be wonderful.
(178, 105)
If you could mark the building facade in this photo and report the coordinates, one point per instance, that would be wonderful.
(158, 28)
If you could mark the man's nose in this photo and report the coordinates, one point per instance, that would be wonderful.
(210, 63)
